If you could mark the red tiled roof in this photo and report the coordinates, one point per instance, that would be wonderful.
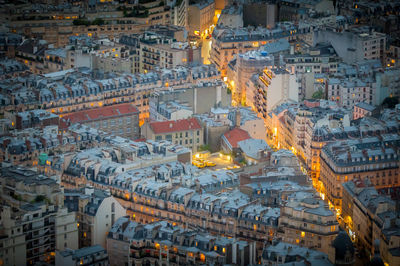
(175, 126)
(236, 135)
(101, 112)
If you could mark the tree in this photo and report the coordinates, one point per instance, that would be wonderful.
(205, 147)
(318, 95)
(98, 21)
(390, 102)
(78, 22)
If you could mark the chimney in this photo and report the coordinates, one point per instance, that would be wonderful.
(237, 117)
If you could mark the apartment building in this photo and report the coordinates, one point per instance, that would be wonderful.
(186, 132)
(162, 242)
(364, 43)
(94, 255)
(179, 14)
(34, 222)
(230, 140)
(79, 89)
(170, 110)
(364, 109)
(308, 222)
(349, 92)
(245, 65)
(361, 205)
(11, 68)
(280, 252)
(118, 119)
(31, 53)
(370, 157)
(200, 17)
(157, 50)
(228, 42)
(25, 147)
(35, 118)
(96, 212)
(273, 87)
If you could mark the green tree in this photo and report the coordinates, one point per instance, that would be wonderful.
(318, 95)
(205, 147)
(98, 21)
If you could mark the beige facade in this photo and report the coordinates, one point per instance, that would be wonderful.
(192, 138)
(309, 224)
(201, 17)
(164, 55)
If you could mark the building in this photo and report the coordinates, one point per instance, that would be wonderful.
(281, 253)
(361, 205)
(119, 119)
(11, 68)
(308, 222)
(35, 118)
(356, 44)
(158, 242)
(179, 13)
(96, 212)
(201, 15)
(260, 13)
(34, 221)
(231, 16)
(31, 53)
(363, 109)
(370, 157)
(254, 150)
(164, 52)
(170, 110)
(247, 119)
(230, 140)
(245, 65)
(186, 132)
(81, 89)
(228, 42)
(273, 87)
(298, 10)
(349, 92)
(94, 255)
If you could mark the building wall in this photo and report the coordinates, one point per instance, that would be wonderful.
(104, 219)
(126, 126)
(66, 230)
(117, 251)
(308, 230)
(256, 128)
(381, 176)
(191, 139)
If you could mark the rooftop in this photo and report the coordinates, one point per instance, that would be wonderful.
(175, 126)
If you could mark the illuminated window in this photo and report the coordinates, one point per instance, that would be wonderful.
(215, 248)
(303, 234)
(297, 241)
(223, 250)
